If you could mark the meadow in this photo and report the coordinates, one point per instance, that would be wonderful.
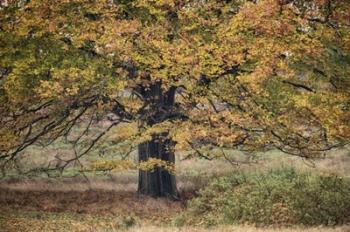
(110, 202)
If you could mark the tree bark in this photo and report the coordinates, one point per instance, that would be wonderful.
(158, 182)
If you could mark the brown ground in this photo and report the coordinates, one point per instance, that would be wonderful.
(81, 210)
(96, 202)
(108, 203)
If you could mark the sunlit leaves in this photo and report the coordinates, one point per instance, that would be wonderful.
(249, 73)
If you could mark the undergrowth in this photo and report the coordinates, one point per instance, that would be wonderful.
(282, 196)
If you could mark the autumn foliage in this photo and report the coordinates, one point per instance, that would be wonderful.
(248, 75)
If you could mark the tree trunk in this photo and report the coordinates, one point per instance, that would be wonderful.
(157, 182)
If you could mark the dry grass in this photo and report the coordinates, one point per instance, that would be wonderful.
(238, 229)
(37, 221)
(92, 202)
(122, 183)
(192, 174)
(103, 203)
(58, 222)
(90, 210)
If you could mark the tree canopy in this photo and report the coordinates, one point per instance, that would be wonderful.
(245, 74)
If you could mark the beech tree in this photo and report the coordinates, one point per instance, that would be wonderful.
(186, 74)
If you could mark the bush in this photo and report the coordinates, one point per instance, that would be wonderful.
(281, 196)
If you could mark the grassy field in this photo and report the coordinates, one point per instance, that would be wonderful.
(39, 221)
(110, 202)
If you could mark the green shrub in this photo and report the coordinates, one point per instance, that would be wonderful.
(281, 196)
